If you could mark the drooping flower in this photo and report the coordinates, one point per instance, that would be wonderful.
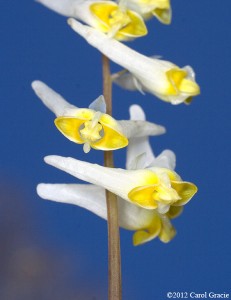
(106, 16)
(91, 126)
(151, 188)
(158, 77)
(161, 9)
(147, 223)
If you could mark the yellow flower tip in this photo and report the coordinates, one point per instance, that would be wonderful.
(186, 190)
(166, 235)
(93, 129)
(163, 189)
(117, 21)
(140, 237)
(188, 100)
(189, 87)
(174, 212)
(180, 83)
(147, 234)
(163, 15)
(143, 196)
(167, 232)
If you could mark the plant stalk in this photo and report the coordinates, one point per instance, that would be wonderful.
(114, 259)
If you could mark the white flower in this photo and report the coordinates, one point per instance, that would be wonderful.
(158, 77)
(91, 126)
(146, 223)
(106, 16)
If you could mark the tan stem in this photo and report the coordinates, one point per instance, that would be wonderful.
(114, 260)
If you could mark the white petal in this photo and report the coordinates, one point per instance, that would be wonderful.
(55, 102)
(127, 81)
(135, 149)
(99, 104)
(63, 7)
(136, 113)
(190, 71)
(78, 9)
(139, 146)
(147, 69)
(167, 159)
(93, 199)
(87, 196)
(116, 51)
(150, 73)
(138, 128)
(118, 181)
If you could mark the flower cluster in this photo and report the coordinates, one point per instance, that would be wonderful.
(149, 192)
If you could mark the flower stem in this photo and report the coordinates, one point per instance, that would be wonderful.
(114, 260)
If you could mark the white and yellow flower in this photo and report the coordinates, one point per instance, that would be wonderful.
(158, 77)
(152, 185)
(161, 9)
(151, 188)
(91, 126)
(147, 223)
(106, 16)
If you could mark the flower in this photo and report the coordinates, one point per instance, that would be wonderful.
(158, 77)
(147, 223)
(117, 21)
(107, 16)
(152, 187)
(161, 9)
(91, 126)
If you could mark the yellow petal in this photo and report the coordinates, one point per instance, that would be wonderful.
(175, 76)
(143, 236)
(166, 235)
(186, 191)
(189, 87)
(102, 11)
(178, 83)
(188, 100)
(174, 211)
(143, 196)
(136, 27)
(112, 138)
(163, 15)
(69, 127)
(167, 232)
(127, 24)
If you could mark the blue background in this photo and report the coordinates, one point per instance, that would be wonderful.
(57, 251)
